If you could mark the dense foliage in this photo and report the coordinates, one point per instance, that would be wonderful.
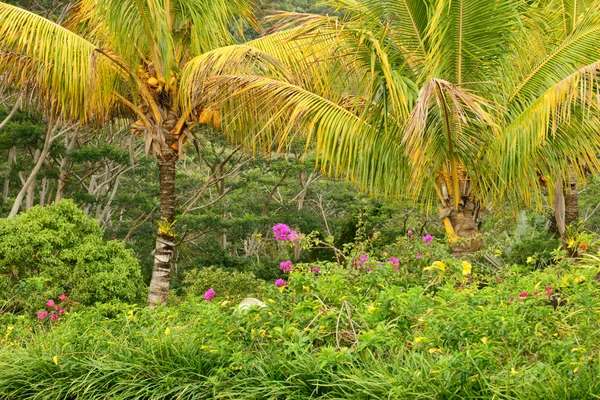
(382, 329)
(49, 251)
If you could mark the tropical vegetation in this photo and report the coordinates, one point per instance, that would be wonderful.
(299, 199)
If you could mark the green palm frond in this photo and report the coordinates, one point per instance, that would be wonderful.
(345, 144)
(468, 38)
(544, 133)
(69, 73)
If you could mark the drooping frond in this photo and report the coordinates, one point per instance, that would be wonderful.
(230, 60)
(69, 74)
(265, 114)
(449, 125)
(577, 50)
(543, 135)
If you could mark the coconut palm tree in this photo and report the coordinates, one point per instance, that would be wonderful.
(452, 102)
(117, 59)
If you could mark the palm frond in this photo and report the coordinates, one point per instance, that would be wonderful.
(60, 65)
(345, 144)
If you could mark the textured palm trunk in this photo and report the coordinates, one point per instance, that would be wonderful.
(165, 246)
(462, 227)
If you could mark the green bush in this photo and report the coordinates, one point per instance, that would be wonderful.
(48, 251)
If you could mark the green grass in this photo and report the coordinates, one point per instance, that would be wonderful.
(383, 335)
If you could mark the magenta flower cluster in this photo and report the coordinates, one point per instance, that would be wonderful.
(55, 310)
(210, 293)
(286, 266)
(362, 259)
(428, 239)
(283, 233)
(280, 282)
(316, 270)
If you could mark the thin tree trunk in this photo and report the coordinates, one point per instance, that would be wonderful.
(12, 154)
(64, 162)
(43, 191)
(165, 246)
(49, 137)
(31, 189)
(12, 112)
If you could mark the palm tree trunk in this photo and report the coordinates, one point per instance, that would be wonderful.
(465, 226)
(165, 247)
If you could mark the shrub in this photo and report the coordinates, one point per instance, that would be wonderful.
(48, 251)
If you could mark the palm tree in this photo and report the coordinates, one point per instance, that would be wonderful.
(118, 59)
(453, 102)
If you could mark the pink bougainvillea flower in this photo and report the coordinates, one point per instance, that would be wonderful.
(523, 294)
(56, 307)
(362, 259)
(419, 256)
(394, 261)
(396, 267)
(316, 270)
(286, 266)
(50, 303)
(369, 270)
(62, 297)
(210, 293)
(61, 312)
(427, 238)
(42, 314)
(281, 232)
(410, 232)
(53, 317)
(535, 293)
(280, 282)
(548, 291)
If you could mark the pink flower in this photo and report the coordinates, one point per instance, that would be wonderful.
(363, 259)
(523, 294)
(427, 238)
(535, 293)
(62, 297)
(281, 232)
(42, 314)
(61, 312)
(53, 317)
(210, 293)
(280, 282)
(50, 303)
(316, 270)
(75, 303)
(286, 266)
(419, 256)
(548, 291)
(56, 307)
(410, 232)
(369, 270)
(394, 261)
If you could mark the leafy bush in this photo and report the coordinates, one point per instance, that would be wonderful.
(48, 251)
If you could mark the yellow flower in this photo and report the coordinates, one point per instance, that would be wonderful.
(466, 268)
(434, 350)
(130, 314)
(371, 309)
(484, 340)
(420, 339)
(55, 359)
(307, 288)
(513, 371)
(530, 260)
(167, 331)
